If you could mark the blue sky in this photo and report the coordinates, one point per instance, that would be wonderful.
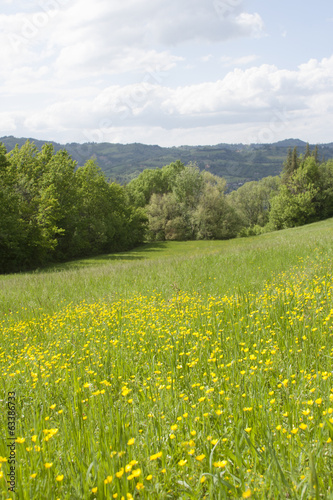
(168, 72)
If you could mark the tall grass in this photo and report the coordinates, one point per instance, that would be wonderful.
(215, 267)
(180, 370)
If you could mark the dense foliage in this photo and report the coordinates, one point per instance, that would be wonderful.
(184, 203)
(50, 210)
(305, 194)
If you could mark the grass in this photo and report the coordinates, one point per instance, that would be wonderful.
(179, 370)
(211, 267)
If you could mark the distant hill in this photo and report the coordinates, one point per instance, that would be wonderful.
(237, 163)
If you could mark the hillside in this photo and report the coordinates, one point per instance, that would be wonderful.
(237, 163)
(179, 370)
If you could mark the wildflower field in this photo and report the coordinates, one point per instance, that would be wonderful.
(214, 385)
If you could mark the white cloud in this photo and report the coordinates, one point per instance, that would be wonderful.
(83, 37)
(265, 102)
(228, 61)
(71, 69)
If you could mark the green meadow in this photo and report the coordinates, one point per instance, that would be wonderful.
(178, 370)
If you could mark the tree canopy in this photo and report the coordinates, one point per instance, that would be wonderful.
(52, 210)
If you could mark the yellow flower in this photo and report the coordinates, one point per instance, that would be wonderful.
(156, 456)
(181, 463)
(20, 440)
(248, 429)
(48, 465)
(318, 401)
(174, 427)
(53, 406)
(200, 457)
(221, 464)
(303, 426)
(108, 480)
(294, 431)
(193, 433)
(214, 441)
(33, 475)
(203, 479)
(172, 436)
(139, 486)
(3, 459)
(60, 478)
(130, 441)
(148, 478)
(247, 494)
(120, 473)
(33, 439)
(94, 490)
(136, 473)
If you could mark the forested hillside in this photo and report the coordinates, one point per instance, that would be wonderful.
(52, 210)
(236, 163)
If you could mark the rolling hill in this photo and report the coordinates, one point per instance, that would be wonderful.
(237, 163)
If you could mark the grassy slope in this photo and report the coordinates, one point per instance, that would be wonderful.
(207, 267)
(209, 395)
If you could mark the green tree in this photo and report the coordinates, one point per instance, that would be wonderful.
(12, 235)
(252, 201)
(326, 189)
(148, 182)
(27, 172)
(297, 202)
(106, 220)
(170, 174)
(291, 164)
(214, 218)
(165, 219)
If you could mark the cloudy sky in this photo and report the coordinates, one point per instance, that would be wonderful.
(167, 72)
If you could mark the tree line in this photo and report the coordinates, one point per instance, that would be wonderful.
(52, 210)
(182, 202)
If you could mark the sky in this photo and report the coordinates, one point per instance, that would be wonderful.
(167, 72)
